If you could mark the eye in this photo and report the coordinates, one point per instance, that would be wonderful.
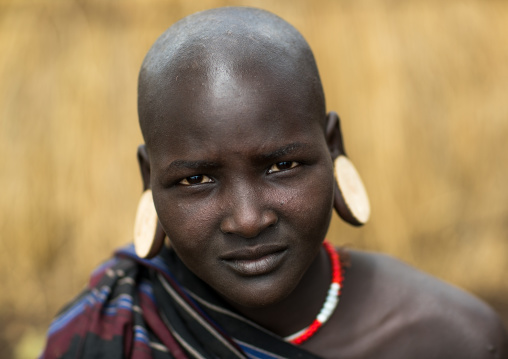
(282, 166)
(193, 180)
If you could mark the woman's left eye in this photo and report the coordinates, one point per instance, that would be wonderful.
(282, 166)
(197, 179)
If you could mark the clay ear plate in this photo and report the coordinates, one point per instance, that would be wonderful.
(352, 189)
(145, 225)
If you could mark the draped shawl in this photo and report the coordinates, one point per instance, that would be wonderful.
(140, 309)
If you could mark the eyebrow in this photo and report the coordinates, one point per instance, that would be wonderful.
(282, 151)
(182, 164)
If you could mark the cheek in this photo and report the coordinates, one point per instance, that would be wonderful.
(187, 224)
(311, 203)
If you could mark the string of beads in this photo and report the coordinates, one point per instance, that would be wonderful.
(332, 299)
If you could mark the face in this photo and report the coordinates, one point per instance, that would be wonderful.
(242, 180)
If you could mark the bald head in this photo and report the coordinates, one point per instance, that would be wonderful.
(218, 55)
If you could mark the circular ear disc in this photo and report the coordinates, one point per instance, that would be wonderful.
(148, 235)
(352, 202)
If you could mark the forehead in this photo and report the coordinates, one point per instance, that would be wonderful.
(238, 69)
(228, 107)
(237, 118)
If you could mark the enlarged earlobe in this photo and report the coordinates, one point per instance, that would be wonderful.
(148, 233)
(350, 197)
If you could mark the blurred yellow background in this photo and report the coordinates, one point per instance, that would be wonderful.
(421, 87)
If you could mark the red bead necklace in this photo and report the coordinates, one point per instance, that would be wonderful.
(332, 299)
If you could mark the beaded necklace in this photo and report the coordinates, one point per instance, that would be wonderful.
(332, 299)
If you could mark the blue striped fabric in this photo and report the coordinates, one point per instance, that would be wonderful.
(140, 309)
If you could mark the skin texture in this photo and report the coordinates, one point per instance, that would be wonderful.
(247, 166)
(239, 156)
(390, 310)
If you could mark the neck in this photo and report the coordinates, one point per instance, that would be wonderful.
(300, 308)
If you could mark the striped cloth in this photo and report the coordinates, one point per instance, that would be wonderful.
(136, 308)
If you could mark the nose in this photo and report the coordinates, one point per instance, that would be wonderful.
(247, 215)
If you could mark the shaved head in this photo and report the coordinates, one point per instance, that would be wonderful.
(218, 53)
(237, 155)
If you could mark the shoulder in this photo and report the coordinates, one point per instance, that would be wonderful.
(417, 315)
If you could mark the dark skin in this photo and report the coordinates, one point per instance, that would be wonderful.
(239, 156)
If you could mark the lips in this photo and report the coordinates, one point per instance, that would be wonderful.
(255, 261)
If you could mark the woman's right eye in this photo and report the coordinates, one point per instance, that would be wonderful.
(193, 180)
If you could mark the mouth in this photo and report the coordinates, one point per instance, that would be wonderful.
(255, 261)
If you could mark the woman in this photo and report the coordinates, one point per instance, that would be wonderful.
(239, 161)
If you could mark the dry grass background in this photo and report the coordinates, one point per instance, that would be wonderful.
(421, 87)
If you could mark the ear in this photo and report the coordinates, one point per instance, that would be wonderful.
(350, 197)
(334, 135)
(148, 232)
(144, 166)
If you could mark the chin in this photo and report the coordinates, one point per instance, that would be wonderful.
(259, 292)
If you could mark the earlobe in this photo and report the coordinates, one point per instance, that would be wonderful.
(351, 201)
(148, 233)
(350, 197)
(144, 166)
